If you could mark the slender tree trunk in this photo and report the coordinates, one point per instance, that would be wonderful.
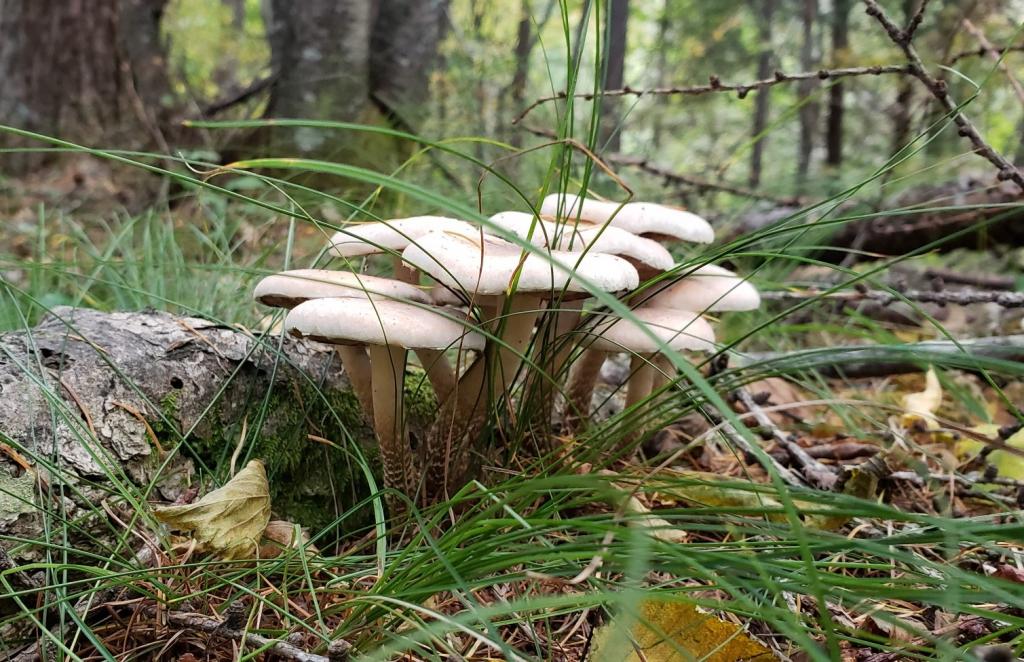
(88, 72)
(524, 46)
(614, 77)
(808, 109)
(766, 13)
(904, 98)
(661, 70)
(840, 42)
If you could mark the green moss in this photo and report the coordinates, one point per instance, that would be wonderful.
(312, 482)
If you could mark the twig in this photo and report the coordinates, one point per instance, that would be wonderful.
(984, 281)
(338, 648)
(741, 444)
(917, 479)
(915, 21)
(240, 96)
(978, 52)
(995, 56)
(958, 298)
(716, 85)
(939, 90)
(697, 182)
(816, 473)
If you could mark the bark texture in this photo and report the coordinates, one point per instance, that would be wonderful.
(89, 72)
(88, 395)
(765, 13)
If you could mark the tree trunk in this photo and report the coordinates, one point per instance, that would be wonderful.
(86, 72)
(808, 109)
(89, 395)
(614, 76)
(766, 14)
(403, 51)
(840, 42)
(661, 71)
(320, 54)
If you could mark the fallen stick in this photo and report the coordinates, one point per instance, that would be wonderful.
(854, 361)
(942, 297)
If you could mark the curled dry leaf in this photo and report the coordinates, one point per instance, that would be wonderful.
(229, 521)
(923, 405)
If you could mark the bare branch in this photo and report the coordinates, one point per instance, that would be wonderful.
(994, 54)
(939, 90)
(915, 21)
(697, 182)
(980, 51)
(716, 85)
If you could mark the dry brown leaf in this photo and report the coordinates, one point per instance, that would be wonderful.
(229, 521)
(674, 632)
(782, 392)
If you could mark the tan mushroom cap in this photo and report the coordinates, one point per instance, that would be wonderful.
(678, 329)
(486, 265)
(637, 217)
(708, 287)
(391, 323)
(585, 236)
(383, 236)
(290, 288)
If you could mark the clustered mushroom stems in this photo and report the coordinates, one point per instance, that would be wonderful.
(522, 303)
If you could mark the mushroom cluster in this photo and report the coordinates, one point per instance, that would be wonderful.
(470, 299)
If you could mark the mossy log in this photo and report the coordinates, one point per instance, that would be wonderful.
(92, 402)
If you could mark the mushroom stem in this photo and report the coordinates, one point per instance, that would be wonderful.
(463, 416)
(388, 365)
(357, 367)
(557, 348)
(663, 372)
(439, 371)
(580, 390)
(641, 377)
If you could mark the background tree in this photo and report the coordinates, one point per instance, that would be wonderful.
(765, 11)
(91, 72)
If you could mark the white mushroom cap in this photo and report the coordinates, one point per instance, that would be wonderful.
(366, 322)
(290, 288)
(486, 265)
(708, 287)
(611, 240)
(379, 237)
(678, 329)
(636, 217)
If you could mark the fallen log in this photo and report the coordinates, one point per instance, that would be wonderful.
(92, 403)
(918, 217)
(1000, 354)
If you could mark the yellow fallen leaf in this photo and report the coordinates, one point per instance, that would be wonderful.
(1008, 465)
(230, 521)
(922, 406)
(676, 632)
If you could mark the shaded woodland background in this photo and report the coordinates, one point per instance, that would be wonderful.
(126, 73)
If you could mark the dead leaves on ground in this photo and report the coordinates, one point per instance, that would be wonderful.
(229, 521)
(675, 632)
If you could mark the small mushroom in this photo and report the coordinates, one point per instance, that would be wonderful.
(706, 288)
(677, 330)
(290, 288)
(388, 329)
(640, 218)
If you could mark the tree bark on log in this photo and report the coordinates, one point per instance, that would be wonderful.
(153, 400)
